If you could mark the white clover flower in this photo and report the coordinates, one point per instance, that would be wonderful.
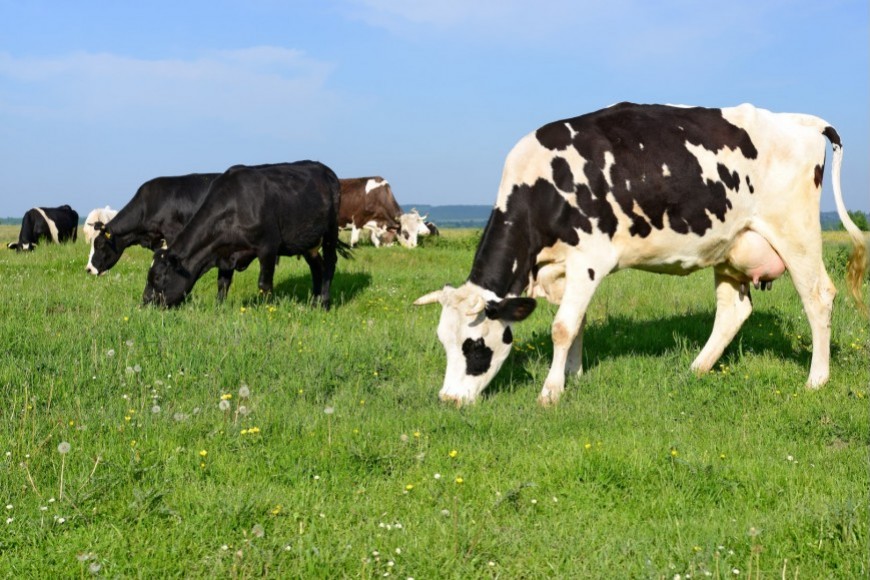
(329, 410)
(63, 448)
(437, 476)
(10, 520)
(9, 506)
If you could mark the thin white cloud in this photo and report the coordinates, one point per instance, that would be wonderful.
(269, 88)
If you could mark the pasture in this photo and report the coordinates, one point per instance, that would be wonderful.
(261, 437)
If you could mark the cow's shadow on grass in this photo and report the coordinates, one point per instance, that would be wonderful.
(620, 336)
(297, 288)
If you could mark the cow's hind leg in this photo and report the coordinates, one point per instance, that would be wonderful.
(732, 309)
(803, 259)
(330, 259)
(315, 264)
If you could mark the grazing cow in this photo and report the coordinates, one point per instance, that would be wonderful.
(100, 215)
(257, 212)
(659, 188)
(367, 203)
(56, 224)
(158, 211)
(431, 229)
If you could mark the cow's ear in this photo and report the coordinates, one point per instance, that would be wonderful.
(510, 309)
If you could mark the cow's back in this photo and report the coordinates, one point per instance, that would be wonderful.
(293, 205)
(667, 188)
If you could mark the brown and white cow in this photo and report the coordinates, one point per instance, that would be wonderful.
(367, 203)
(659, 188)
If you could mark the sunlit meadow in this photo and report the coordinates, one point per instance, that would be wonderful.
(261, 437)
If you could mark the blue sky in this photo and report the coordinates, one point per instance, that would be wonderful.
(97, 97)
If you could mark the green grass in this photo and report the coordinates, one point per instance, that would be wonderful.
(345, 464)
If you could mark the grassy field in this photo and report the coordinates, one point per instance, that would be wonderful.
(265, 438)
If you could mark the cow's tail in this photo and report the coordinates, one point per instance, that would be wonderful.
(857, 266)
(344, 250)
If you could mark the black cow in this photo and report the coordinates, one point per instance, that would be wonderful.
(658, 188)
(258, 212)
(56, 224)
(158, 211)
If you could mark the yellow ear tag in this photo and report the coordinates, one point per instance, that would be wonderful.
(108, 235)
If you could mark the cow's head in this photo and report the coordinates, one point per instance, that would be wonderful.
(105, 251)
(411, 225)
(475, 329)
(168, 280)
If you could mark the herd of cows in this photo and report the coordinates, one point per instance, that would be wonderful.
(226, 220)
(662, 188)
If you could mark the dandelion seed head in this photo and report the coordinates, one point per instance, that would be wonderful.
(110, 353)
(155, 409)
(244, 391)
(224, 405)
(243, 411)
(329, 410)
(63, 448)
(258, 531)
(94, 567)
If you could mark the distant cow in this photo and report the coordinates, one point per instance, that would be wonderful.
(100, 215)
(659, 188)
(55, 224)
(253, 212)
(432, 229)
(367, 203)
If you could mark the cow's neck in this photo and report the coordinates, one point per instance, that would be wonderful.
(126, 228)
(504, 257)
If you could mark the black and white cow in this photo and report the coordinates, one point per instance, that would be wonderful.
(158, 211)
(55, 224)
(659, 188)
(260, 212)
(100, 215)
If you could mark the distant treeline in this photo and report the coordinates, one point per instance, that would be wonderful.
(475, 216)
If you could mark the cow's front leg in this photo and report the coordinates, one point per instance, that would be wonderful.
(733, 306)
(225, 278)
(267, 273)
(567, 336)
(574, 365)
